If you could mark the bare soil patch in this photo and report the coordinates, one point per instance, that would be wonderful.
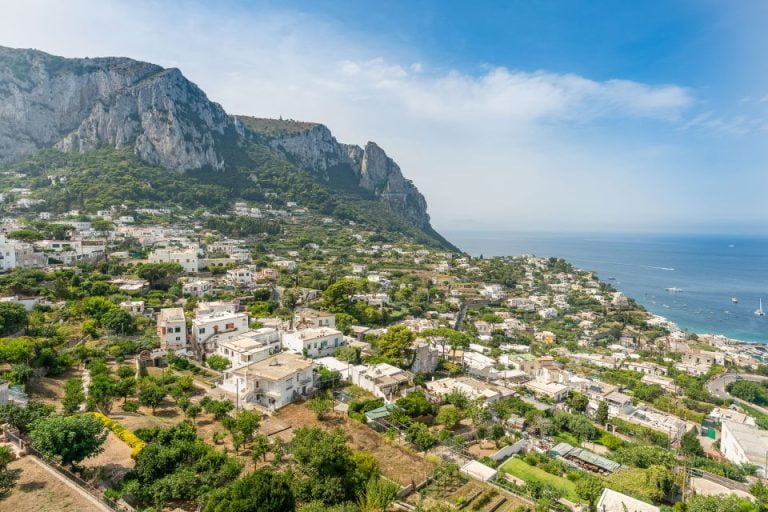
(39, 491)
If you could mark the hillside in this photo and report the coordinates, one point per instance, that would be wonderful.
(124, 131)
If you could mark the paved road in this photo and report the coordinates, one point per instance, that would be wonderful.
(717, 387)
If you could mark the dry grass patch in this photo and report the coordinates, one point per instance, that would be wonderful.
(39, 491)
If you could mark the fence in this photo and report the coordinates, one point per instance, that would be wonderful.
(82, 484)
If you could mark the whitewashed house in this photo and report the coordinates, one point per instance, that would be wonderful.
(314, 341)
(273, 382)
(172, 329)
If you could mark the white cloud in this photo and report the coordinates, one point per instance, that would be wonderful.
(506, 145)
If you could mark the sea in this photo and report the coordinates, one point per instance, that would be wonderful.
(708, 270)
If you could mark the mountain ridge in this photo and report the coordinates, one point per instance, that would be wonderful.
(79, 105)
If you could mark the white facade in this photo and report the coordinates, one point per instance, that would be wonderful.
(314, 342)
(187, 258)
(240, 276)
(197, 288)
(383, 380)
(250, 347)
(273, 382)
(614, 501)
(172, 329)
(307, 317)
(211, 328)
(741, 443)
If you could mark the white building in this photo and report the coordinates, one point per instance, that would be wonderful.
(250, 347)
(741, 443)
(647, 368)
(209, 329)
(172, 329)
(273, 382)
(240, 276)
(552, 390)
(473, 389)
(15, 254)
(314, 341)
(307, 317)
(187, 257)
(134, 307)
(383, 380)
(614, 501)
(197, 288)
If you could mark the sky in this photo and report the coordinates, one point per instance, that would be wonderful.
(561, 115)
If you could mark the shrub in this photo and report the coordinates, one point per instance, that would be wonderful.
(121, 432)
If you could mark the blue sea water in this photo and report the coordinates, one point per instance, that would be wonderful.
(709, 269)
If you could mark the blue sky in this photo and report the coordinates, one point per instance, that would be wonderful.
(588, 115)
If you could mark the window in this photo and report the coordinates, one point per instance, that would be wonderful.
(178, 329)
(202, 330)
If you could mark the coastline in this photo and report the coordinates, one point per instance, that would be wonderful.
(711, 269)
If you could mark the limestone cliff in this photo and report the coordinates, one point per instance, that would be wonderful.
(314, 148)
(82, 104)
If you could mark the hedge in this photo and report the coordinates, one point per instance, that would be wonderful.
(121, 432)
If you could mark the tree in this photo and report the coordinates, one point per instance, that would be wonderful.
(118, 321)
(325, 465)
(578, 402)
(247, 422)
(320, 406)
(157, 272)
(418, 434)
(218, 363)
(68, 439)
(589, 489)
(25, 235)
(690, 445)
(449, 416)
(8, 477)
(21, 374)
(415, 404)
(219, 408)
(193, 411)
(261, 491)
(601, 416)
(101, 391)
(12, 317)
(151, 395)
(259, 448)
(22, 418)
(395, 342)
(73, 396)
(125, 387)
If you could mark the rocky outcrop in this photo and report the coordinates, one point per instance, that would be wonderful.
(82, 104)
(316, 150)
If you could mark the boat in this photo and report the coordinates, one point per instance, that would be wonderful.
(759, 311)
(734, 300)
(674, 290)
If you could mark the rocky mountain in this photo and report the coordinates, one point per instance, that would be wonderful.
(313, 148)
(84, 104)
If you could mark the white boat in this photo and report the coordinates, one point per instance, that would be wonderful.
(674, 290)
(734, 300)
(759, 311)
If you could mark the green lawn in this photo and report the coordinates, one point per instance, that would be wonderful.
(519, 468)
